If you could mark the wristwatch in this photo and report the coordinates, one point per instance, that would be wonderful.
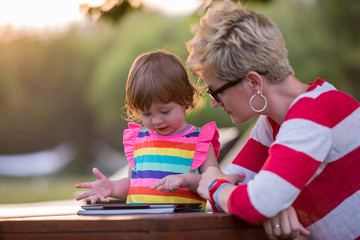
(215, 186)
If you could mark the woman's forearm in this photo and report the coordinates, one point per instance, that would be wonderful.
(223, 197)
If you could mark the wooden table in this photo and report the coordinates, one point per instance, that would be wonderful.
(182, 226)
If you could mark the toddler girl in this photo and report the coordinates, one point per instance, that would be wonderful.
(167, 154)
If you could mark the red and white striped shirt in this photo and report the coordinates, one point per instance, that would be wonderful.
(310, 162)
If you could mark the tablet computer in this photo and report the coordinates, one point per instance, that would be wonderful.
(153, 208)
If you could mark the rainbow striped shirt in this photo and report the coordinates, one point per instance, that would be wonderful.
(153, 157)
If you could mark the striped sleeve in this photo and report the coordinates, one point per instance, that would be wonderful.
(303, 142)
(255, 151)
(312, 165)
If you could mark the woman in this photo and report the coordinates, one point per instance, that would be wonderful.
(304, 152)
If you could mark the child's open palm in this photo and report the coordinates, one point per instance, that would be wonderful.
(99, 189)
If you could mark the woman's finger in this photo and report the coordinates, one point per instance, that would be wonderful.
(235, 178)
(268, 229)
(288, 225)
(304, 232)
(276, 228)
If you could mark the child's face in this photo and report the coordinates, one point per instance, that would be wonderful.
(164, 119)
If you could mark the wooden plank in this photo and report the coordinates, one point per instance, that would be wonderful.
(77, 236)
(162, 226)
(98, 224)
(121, 223)
(208, 234)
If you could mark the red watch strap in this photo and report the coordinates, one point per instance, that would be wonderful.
(213, 189)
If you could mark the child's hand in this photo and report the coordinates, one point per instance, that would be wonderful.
(170, 183)
(99, 189)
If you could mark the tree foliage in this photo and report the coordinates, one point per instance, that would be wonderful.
(336, 20)
(343, 21)
(115, 10)
(71, 87)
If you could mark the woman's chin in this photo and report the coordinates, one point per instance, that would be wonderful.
(238, 121)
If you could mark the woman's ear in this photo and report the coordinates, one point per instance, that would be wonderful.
(255, 81)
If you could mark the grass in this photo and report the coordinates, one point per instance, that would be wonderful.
(37, 189)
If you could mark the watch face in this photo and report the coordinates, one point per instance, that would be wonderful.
(213, 183)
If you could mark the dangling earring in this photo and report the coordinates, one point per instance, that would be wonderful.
(252, 98)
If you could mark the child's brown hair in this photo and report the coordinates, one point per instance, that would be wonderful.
(158, 77)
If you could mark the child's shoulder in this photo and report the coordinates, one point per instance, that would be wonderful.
(134, 126)
(210, 125)
(133, 131)
(205, 132)
(208, 128)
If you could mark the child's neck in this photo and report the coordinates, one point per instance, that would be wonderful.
(184, 129)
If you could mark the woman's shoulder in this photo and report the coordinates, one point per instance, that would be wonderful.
(322, 104)
(321, 92)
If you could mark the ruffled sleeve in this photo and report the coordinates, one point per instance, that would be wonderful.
(129, 140)
(208, 136)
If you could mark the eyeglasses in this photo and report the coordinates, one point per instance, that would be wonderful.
(214, 94)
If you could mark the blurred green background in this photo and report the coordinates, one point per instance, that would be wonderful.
(70, 86)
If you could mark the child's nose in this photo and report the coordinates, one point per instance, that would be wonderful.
(156, 120)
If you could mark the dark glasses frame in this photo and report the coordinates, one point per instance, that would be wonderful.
(214, 94)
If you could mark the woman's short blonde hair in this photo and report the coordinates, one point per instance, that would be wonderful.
(159, 77)
(232, 40)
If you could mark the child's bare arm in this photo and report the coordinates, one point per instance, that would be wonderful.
(210, 161)
(171, 183)
(121, 187)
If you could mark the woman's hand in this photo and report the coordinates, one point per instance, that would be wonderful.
(99, 189)
(210, 175)
(285, 225)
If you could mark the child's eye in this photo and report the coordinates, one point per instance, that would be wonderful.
(165, 112)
